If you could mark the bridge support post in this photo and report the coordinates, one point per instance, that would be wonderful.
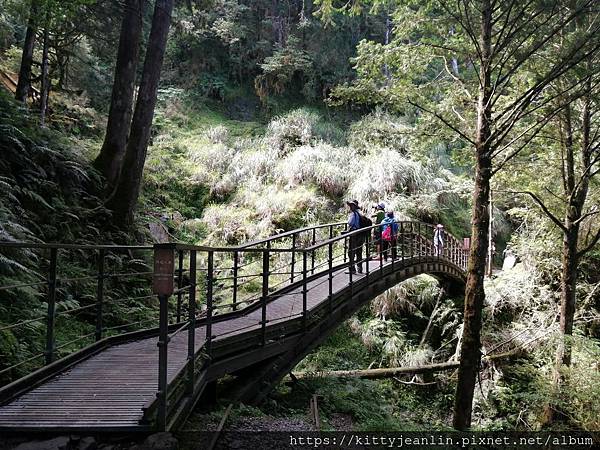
(192, 326)
(100, 294)
(51, 316)
(162, 285)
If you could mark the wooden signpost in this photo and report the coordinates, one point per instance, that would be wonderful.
(164, 267)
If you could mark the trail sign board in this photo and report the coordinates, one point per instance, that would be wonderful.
(164, 268)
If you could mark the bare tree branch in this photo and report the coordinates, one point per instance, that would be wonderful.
(590, 245)
(543, 206)
(443, 120)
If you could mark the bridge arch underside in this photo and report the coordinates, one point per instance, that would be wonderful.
(259, 378)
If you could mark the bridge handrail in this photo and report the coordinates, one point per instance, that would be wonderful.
(251, 247)
(360, 231)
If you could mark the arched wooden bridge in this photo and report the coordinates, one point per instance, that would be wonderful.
(251, 311)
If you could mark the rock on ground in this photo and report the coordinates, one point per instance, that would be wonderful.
(59, 443)
(158, 441)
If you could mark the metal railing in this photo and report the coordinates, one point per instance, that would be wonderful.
(204, 287)
(282, 270)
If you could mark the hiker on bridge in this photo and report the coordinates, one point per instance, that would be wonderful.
(389, 235)
(438, 240)
(356, 241)
(378, 217)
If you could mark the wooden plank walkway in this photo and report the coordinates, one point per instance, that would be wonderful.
(108, 390)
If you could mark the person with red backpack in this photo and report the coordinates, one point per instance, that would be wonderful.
(389, 234)
(355, 242)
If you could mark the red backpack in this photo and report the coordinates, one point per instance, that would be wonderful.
(387, 233)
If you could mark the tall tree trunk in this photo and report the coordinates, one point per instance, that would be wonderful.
(576, 195)
(126, 194)
(45, 91)
(24, 83)
(568, 291)
(113, 149)
(470, 351)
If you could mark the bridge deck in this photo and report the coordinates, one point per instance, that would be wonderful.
(109, 389)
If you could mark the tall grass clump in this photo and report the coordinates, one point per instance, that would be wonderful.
(384, 171)
(328, 168)
(291, 130)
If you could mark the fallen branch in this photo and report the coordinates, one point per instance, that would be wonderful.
(374, 374)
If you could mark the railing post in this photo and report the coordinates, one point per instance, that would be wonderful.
(304, 288)
(330, 231)
(293, 258)
(162, 285)
(351, 256)
(51, 306)
(330, 264)
(393, 246)
(179, 284)
(345, 244)
(209, 302)
(380, 249)
(403, 238)
(265, 294)
(312, 255)
(420, 247)
(236, 258)
(100, 294)
(191, 356)
(413, 241)
(367, 253)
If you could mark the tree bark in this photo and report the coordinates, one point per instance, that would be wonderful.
(470, 351)
(126, 194)
(110, 158)
(576, 195)
(24, 83)
(429, 328)
(45, 91)
(568, 291)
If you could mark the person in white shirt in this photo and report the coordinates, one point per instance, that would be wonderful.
(438, 240)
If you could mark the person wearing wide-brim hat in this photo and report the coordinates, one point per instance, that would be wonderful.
(356, 241)
(438, 239)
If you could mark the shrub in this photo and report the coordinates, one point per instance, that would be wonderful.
(325, 166)
(384, 171)
(233, 224)
(292, 130)
(218, 134)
